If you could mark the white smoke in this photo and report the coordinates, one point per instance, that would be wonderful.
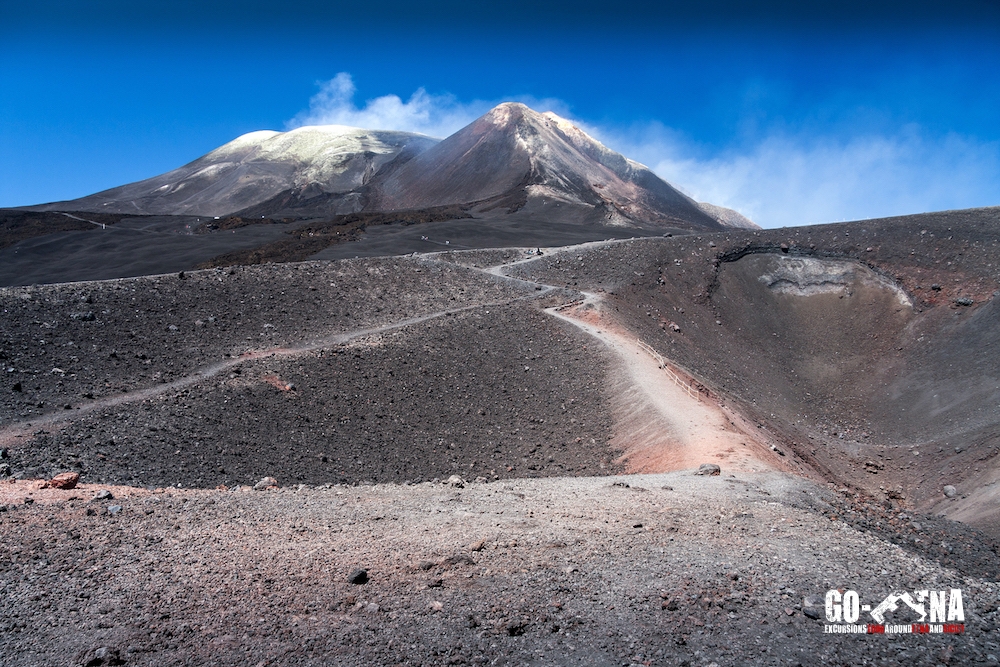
(433, 115)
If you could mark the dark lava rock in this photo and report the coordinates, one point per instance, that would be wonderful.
(358, 577)
(99, 657)
(458, 559)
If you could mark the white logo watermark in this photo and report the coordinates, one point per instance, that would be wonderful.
(933, 612)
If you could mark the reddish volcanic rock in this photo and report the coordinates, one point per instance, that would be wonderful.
(64, 480)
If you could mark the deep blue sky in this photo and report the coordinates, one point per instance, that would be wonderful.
(790, 113)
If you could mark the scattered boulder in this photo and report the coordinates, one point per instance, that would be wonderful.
(458, 559)
(456, 481)
(64, 480)
(964, 301)
(266, 483)
(98, 657)
(949, 491)
(114, 509)
(84, 317)
(5, 470)
(709, 469)
(813, 606)
(103, 494)
(358, 577)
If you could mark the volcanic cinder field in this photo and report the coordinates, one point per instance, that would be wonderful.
(507, 443)
(338, 396)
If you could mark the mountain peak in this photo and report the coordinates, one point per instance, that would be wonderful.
(515, 158)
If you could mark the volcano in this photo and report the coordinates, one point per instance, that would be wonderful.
(514, 158)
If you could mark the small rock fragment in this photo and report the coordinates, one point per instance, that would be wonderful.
(266, 483)
(710, 469)
(812, 612)
(458, 559)
(949, 491)
(358, 577)
(103, 494)
(64, 480)
(456, 481)
(114, 509)
(99, 657)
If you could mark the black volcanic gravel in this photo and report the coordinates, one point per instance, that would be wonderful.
(70, 343)
(496, 392)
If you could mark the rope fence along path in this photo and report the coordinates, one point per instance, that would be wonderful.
(669, 371)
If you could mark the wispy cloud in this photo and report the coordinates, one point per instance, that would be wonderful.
(785, 180)
(434, 115)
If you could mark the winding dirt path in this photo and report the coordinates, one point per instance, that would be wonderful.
(662, 424)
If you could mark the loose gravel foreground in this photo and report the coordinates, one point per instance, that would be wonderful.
(670, 569)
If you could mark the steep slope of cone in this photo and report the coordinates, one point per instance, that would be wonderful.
(728, 216)
(513, 155)
(258, 166)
